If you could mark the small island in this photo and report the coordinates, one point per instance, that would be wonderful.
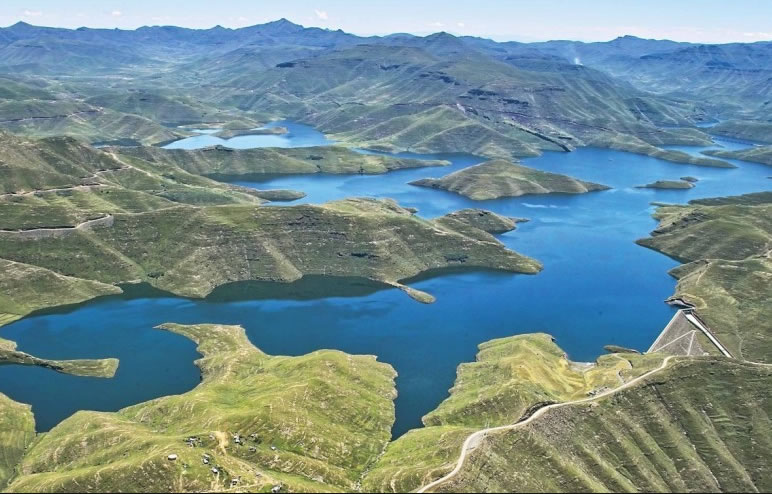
(668, 184)
(501, 178)
(487, 221)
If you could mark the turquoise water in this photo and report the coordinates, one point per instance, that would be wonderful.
(597, 288)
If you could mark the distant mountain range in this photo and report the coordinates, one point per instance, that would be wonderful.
(395, 92)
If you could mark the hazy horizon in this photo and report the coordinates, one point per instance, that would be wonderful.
(697, 21)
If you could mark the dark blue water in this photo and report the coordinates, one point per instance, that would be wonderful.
(597, 288)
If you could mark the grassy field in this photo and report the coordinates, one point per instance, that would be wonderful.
(309, 423)
(701, 425)
(501, 178)
(724, 244)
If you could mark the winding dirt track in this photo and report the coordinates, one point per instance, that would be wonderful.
(474, 439)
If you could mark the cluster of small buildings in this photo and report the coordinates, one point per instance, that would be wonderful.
(206, 459)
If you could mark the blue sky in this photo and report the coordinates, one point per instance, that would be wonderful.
(715, 21)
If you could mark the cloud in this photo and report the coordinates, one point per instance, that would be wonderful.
(32, 13)
(460, 24)
(321, 14)
(436, 24)
(116, 13)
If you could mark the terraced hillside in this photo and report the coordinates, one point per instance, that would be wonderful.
(701, 425)
(309, 423)
(726, 245)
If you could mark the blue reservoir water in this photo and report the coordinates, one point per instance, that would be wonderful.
(597, 288)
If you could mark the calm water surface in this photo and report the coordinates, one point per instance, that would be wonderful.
(597, 288)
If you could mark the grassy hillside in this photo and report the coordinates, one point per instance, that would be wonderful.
(231, 164)
(633, 145)
(725, 245)
(190, 251)
(510, 377)
(699, 426)
(750, 130)
(17, 430)
(501, 178)
(58, 162)
(159, 107)
(69, 117)
(760, 154)
(27, 288)
(437, 94)
(309, 423)
(59, 181)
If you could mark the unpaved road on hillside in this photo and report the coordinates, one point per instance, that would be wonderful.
(474, 439)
